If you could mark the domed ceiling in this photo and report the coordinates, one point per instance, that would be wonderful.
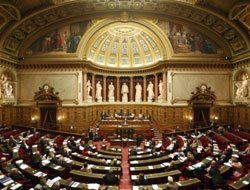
(124, 45)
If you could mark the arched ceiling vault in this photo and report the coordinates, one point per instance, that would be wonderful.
(16, 35)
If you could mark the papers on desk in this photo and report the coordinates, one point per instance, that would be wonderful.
(8, 182)
(107, 168)
(132, 168)
(178, 183)
(155, 186)
(93, 186)
(74, 153)
(81, 148)
(24, 166)
(45, 162)
(133, 177)
(245, 182)
(57, 167)
(2, 176)
(209, 158)
(166, 164)
(235, 155)
(58, 155)
(19, 161)
(90, 166)
(227, 164)
(134, 162)
(135, 187)
(15, 150)
(16, 186)
(139, 156)
(75, 184)
(191, 167)
(150, 167)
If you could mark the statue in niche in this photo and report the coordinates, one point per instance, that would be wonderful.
(125, 90)
(242, 90)
(89, 87)
(111, 90)
(138, 90)
(160, 85)
(6, 87)
(150, 90)
(98, 94)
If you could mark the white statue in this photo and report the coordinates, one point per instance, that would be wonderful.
(138, 90)
(111, 90)
(89, 87)
(150, 90)
(242, 87)
(160, 85)
(9, 92)
(124, 90)
(98, 93)
(6, 87)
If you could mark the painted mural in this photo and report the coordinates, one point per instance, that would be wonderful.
(61, 40)
(187, 41)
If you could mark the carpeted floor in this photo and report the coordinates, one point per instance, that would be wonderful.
(125, 181)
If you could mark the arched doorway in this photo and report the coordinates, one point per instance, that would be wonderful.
(48, 103)
(201, 101)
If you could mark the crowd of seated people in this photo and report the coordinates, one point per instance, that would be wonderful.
(183, 147)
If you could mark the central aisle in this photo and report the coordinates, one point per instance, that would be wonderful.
(125, 181)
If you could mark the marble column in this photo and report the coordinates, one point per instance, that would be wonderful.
(104, 88)
(144, 88)
(93, 87)
(131, 89)
(85, 86)
(118, 89)
(156, 87)
(164, 86)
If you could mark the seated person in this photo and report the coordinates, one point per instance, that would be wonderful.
(214, 172)
(16, 175)
(141, 180)
(110, 178)
(62, 163)
(221, 160)
(85, 168)
(171, 185)
(238, 168)
(190, 157)
(114, 163)
(246, 152)
(42, 185)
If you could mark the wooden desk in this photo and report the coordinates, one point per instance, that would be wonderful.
(79, 185)
(157, 178)
(239, 183)
(140, 157)
(150, 161)
(190, 184)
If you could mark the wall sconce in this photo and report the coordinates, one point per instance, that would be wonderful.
(33, 118)
(216, 118)
(59, 118)
(190, 118)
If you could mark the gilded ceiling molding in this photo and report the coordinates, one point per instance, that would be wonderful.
(7, 64)
(225, 29)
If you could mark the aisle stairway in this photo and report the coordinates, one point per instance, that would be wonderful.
(157, 135)
(125, 181)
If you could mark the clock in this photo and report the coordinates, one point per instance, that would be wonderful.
(203, 87)
(46, 87)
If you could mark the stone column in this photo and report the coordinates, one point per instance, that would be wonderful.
(85, 86)
(164, 86)
(131, 89)
(144, 88)
(104, 88)
(118, 89)
(156, 87)
(93, 87)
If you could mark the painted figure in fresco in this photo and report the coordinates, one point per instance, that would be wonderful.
(138, 90)
(150, 90)
(98, 90)
(160, 85)
(111, 90)
(89, 87)
(125, 90)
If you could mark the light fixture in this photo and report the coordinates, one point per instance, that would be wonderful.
(190, 118)
(59, 118)
(33, 118)
(216, 118)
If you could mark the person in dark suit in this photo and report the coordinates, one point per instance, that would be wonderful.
(110, 178)
(13, 142)
(139, 139)
(133, 152)
(36, 161)
(141, 180)
(16, 175)
(217, 178)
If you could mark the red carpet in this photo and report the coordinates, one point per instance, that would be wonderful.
(125, 181)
